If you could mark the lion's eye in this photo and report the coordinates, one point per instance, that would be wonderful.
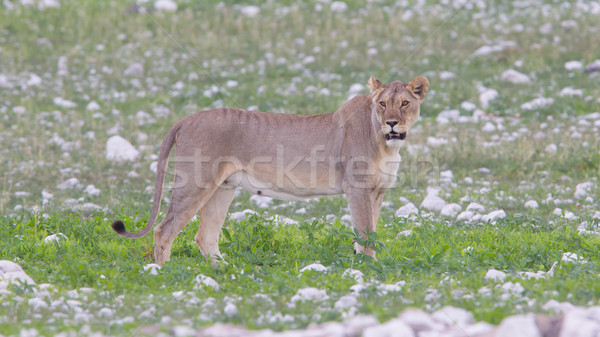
(382, 104)
(404, 103)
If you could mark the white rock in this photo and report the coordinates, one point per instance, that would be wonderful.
(465, 216)
(419, 320)
(34, 80)
(279, 220)
(37, 303)
(532, 204)
(569, 257)
(447, 75)
(446, 175)
(486, 96)
(4, 82)
(153, 267)
(19, 110)
(392, 328)
(314, 267)
(86, 209)
(475, 207)
(64, 103)
(447, 116)
(513, 288)
(537, 103)
(118, 149)
(55, 238)
(515, 77)
(356, 89)
(433, 202)
(518, 326)
(261, 202)
(407, 210)
(493, 216)
(69, 184)
(309, 294)
(435, 142)
(230, 310)
(405, 233)
(92, 106)
(134, 70)
(545, 28)
(386, 287)
(573, 65)
(570, 92)
(502, 45)
(450, 210)
(11, 272)
(345, 302)
(488, 127)
(468, 106)
(183, 331)
(243, 215)
(203, 281)
(592, 67)
(551, 149)
(495, 275)
(451, 316)
(106, 312)
(43, 4)
(165, 5)
(577, 323)
(346, 218)
(338, 6)
(557, 307)
(357, 275)
(250, 11)
(92, 191)
(583, 190)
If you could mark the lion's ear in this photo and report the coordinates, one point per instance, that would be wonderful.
(374, 84)
(419, 86)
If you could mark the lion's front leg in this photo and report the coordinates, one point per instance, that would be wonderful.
(364, 209)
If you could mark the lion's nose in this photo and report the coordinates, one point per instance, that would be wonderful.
(391, 123)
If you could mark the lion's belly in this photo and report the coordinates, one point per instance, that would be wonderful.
(291, 186)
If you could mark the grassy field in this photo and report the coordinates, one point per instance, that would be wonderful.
(73, 76)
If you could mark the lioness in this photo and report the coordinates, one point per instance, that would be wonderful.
(354, 150)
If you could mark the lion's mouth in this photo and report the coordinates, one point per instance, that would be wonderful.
(395, 135)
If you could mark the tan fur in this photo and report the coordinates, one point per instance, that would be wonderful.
(354, 151)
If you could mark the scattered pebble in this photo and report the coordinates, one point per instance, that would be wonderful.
(203, 281)
(314, 267)
(11, 272)
(153, 267)
(407, 211)
(515, 77)
(119, 150)
(495, 275)
(55, 238)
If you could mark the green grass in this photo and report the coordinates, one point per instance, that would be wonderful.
(203, 45)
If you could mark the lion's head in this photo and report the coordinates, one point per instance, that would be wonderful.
(396, 106)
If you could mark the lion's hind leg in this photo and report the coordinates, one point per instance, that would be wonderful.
(212, 217)
(185, 202)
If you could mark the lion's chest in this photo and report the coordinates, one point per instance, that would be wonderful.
(386, 170)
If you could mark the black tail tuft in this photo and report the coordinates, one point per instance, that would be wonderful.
(118, 226)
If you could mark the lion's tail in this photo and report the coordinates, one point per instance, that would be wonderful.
(163, 157)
